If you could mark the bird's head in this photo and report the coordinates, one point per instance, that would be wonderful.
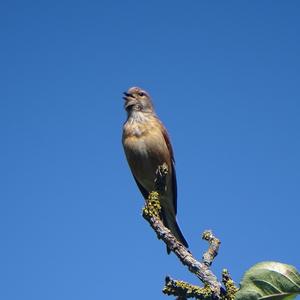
(136, 100)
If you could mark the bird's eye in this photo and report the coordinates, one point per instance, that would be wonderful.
(141, 94)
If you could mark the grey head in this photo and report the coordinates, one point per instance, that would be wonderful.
(137, 100)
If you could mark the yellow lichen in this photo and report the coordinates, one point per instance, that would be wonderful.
(152, 207)
(181, 288)
(231, 289)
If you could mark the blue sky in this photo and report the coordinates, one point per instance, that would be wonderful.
(224, 77)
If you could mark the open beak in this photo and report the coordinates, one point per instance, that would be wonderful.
(127, 96)
(129, 100)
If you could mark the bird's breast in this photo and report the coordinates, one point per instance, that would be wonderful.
(145, 149)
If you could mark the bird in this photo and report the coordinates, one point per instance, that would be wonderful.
(147, 145)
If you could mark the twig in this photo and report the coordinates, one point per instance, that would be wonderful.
(185, 290)
(213, 249)
(230, 287)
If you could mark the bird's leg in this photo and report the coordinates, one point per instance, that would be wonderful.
(160, 179)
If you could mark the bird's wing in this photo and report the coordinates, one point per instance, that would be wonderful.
(174, 182)
(174, 187)
(144, 192)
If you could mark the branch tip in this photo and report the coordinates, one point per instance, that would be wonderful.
(214, 245)
(230, 287)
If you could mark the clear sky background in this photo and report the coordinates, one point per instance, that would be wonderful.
(224, 77)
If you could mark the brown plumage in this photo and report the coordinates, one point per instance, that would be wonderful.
(147, 145)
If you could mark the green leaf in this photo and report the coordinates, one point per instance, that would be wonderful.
(270, 281)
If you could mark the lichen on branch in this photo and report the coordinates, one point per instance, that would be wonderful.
(212, 289)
